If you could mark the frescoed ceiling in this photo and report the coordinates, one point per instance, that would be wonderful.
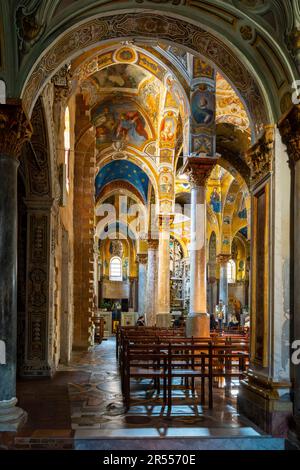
(229, 108)
(125, 171)
(128, 90)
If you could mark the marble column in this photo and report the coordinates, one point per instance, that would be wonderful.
(290, 132)
(198, 322)
(141, 259)
(265, 392)
(151, 290)
(14, 131)
(223, 290)
(163, 312)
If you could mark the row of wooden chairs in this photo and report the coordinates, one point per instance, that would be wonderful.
(126, 332)
(184, 360)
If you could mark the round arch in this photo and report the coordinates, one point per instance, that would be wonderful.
(209, 31)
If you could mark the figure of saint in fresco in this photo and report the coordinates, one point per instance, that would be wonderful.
(215, 201)
(105, 124)
(131, 127)
(167, 130)
(202, 112)
(166, 183)
(242, 212)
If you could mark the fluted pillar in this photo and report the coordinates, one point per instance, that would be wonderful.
(198, 323)
(141, 259)
(163, 313)
(151, 290)
(14, 131)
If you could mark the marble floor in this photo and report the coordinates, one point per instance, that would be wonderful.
(81, 407)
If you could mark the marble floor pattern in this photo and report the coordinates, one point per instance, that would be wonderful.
(82, 406)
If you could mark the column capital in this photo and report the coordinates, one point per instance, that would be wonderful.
(223, 258)
(15, 129)
(260, 156)
(289, 128)
(62, 82)
(142, 258)
(198, 170)
(153, 243)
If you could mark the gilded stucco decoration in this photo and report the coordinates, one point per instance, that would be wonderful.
(148, 25)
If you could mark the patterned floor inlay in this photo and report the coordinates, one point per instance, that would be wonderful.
(83, 402)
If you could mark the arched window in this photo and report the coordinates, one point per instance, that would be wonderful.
(231, 272)
(115, 269)
(67, 145)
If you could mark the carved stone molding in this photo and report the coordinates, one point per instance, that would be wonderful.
(223, 258)
(261, 155)
(142, 258)
(158, 27)
(37, 156)
(62, 82)
(289, 128)
(198, 170)
(29, 24)
(15, 129)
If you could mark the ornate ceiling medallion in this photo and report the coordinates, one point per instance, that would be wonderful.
(126, 54)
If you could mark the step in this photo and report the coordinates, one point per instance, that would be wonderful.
(175, 439)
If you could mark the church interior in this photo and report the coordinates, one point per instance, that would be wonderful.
(149, 215)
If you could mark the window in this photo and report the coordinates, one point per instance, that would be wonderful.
(231, 272)
(115, 269)
(67, 145)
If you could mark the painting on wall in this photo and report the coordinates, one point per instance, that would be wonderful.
(166, 183)
(203, 107)
(202, 69)
(215, 200)
(119, 121)
(203, 144)
(119, 76)
(168, 130)
(242, 212)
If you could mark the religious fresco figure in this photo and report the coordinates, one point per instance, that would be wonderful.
(215, 201)
(166, 183)
(242, 212)
(202, 108)
(167, 134)
(132, 127)
(119, 121)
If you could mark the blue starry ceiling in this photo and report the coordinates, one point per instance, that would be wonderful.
(126, 171)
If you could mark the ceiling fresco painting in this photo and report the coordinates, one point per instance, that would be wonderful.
(126, 171)
(120, 121)
(138, 104)
(119, 76)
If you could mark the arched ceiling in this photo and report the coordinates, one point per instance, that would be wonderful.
(123, 171)
(249, 50)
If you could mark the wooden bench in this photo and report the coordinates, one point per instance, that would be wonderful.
(184, 360)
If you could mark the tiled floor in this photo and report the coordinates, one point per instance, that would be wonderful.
(83, 405)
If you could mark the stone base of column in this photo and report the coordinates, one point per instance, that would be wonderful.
(293, 440)
(265, 403)
(42, 370)
(11, 417)
(198, 325)
(163, 320)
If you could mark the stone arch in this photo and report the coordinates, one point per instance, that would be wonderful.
(263, 93)
(148, 166)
